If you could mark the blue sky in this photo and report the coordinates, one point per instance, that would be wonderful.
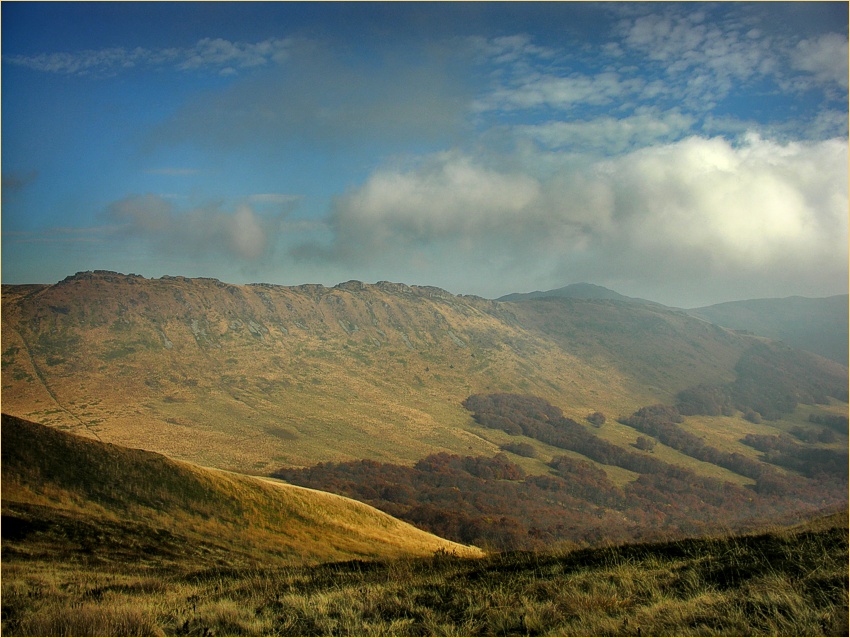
(688, 153)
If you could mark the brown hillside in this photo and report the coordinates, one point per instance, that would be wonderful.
(255, 377)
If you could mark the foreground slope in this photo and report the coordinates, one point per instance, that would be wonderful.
(65, 496)
(255, 377)
(788, 582)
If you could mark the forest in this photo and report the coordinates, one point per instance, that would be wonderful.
(492, 503)
(771, 380)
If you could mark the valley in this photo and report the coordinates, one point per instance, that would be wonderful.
(104, 540)
(230, 437)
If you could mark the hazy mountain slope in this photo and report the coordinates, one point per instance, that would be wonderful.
(61, 492)
(573, 291)
(656, 348)
(817, 325)
(256, 377)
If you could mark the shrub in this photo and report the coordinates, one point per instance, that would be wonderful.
(520, 449)
(644, 443)
(597, 419)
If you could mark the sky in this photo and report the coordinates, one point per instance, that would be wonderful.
(688, 153)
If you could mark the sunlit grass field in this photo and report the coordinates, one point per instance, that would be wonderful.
(786, 582)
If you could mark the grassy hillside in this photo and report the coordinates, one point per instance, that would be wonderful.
(65, 497)
(787, 582)
(817, 325)
(251, 378)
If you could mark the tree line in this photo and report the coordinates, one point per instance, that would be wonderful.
(491, 502)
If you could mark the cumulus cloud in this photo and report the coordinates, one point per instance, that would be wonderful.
(729, 216)
(825, 57)
(208, 231)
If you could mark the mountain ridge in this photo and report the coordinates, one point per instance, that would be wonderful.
(581, 290)
(254, 377)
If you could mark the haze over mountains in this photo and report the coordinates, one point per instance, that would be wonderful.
(819, 325)
(573, 291)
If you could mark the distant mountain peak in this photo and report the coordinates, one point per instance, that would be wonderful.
(581, 290)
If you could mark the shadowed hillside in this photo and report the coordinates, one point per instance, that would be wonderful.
(817, 325)
(66, 496)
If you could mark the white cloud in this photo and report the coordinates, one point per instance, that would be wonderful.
(736, 218)
(558, 92)
(446, 199)
(825, 57)
(516, 49)
(220, 53)
(702, 59)
(207, 231)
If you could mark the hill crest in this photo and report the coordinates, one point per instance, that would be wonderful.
(49, 475)
(573, 291)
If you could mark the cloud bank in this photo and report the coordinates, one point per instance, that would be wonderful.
(656, 148)
(697, 210)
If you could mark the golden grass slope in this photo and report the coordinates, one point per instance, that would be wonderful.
(788, 582)
(63, 494)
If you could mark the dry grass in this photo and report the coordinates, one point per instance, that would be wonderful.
(72, 493)
(785, 583)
